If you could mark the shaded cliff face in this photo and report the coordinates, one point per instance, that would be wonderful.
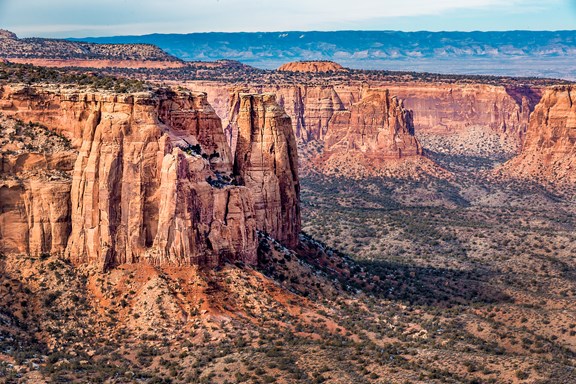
(378, 124)
(309, 107)
(440, 108)
(449, 108)
(549, 152)
(266, 162)
(138, 189)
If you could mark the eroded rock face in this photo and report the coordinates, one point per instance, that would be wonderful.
(449, 108)
(312, 66)
(149, 182)
(549, 152)
(310, 109)
(438, 108)
(34, 216)
(266, 162)
(374, 137)
(378, 124)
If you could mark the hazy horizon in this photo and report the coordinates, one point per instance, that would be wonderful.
(68, 18)
(328, 31)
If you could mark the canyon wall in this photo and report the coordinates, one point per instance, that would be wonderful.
(373, 137)
(439, 108)
(309, 107)
(266, 161)
(378, 125)
(549, 151)
(151, 181)
(448, 108)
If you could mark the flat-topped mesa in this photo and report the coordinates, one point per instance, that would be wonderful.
(4, 34)
(378, 125)
(549, 151)
(312, 66)
(150, 182)
(266, 162)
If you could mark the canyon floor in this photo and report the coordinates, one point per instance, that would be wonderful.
(466, 279)
(453, 276)
(488, 261)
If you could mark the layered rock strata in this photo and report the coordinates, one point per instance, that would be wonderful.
(378, 125)
(152, 179)
(312, 66)
(266, 162)
(549, 151)
(439, 108)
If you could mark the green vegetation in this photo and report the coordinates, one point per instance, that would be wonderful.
(29, 74)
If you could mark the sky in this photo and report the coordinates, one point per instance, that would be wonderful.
(78, 18)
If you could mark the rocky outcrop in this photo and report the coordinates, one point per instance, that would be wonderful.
(439, 108)
(151, 182)
(4, 34)
(374, 137)
(35, 165)
(310, 109)
(34, 216)
(451, 108)
(312, 66)
(64, 53)
(378, 124)
(549, 151)
(266, 162)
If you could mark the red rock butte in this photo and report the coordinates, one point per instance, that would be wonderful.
(149, 179)
(548, 153)
(312, 66)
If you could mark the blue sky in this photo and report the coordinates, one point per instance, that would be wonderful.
(77, 18)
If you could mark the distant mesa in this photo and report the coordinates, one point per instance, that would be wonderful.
(63, 53)
(219, 64)
(312, 66)
(4, 34)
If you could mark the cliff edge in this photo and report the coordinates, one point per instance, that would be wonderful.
(549, 151)
(148, 178)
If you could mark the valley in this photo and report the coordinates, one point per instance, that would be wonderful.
(218, 223)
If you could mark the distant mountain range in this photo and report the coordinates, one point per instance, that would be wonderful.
(528, 53)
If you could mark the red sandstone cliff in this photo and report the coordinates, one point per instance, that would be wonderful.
(266, 161)
(309, 107)
(448, 108)
(149, 181)
(375, 136)
(378, 124)
(440, 108)
(549, 152)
